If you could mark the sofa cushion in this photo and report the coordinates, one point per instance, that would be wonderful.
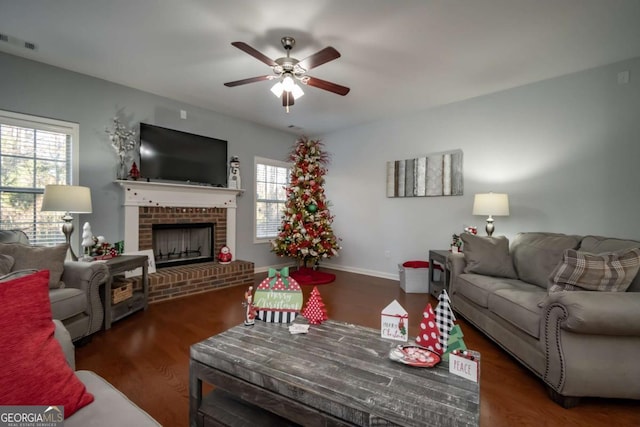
(488, 256)
(110, 404)
(6, 263)
(609, 271)
(38, 257)
(599, 244)
(35, 371)
(520, 306)
(535, 255)
(67, 302)
(477, 287)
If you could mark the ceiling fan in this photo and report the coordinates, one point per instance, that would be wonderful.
(288, 70)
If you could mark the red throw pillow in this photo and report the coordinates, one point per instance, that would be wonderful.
(34, 369)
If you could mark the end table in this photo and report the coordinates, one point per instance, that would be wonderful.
(436, 286)
(139, 299)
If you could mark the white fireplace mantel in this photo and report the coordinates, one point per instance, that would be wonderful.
(161, 194)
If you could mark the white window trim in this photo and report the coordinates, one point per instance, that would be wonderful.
(52, 125)
(270, 162)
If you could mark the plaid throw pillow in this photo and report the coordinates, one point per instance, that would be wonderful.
(610, 272)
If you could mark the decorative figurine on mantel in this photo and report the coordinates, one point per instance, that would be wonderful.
(234, 173)
(224, 257)
(87, 241)
(250, 309)
(134, 173)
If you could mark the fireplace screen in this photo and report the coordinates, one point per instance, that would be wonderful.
(179, 244)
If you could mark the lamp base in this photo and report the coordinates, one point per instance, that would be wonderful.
(489, 227)
(67, 230)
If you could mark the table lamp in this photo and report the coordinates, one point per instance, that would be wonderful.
(491, 204)
(68, 199)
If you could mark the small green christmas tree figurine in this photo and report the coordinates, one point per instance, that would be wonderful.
(305, 232)
(315, 311)
(455, 342)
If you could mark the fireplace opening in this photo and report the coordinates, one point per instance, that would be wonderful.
(180, 244)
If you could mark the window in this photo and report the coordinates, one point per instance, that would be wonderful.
(34, 152)
(272, 177)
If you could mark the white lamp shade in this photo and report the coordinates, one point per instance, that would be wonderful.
(67, 198)
(277, 89)
(297, 92)
(491, 204)
(288, 83)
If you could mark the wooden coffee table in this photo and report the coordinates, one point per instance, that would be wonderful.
(336, 375)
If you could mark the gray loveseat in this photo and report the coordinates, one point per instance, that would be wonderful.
(110, 407)
(78, 303)
(580, 343)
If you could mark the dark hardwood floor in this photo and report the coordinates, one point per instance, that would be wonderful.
(146, 355)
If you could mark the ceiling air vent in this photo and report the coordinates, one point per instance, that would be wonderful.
(6, 38)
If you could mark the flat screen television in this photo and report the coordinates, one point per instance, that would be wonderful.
(172, 155)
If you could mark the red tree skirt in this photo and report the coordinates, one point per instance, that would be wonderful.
(309, 276)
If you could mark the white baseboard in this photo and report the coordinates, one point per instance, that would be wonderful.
(366, 272)
(374, 273)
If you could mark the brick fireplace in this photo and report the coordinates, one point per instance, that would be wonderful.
(151, 203)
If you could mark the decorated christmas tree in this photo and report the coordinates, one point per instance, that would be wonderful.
(315, 311)
(305, 232)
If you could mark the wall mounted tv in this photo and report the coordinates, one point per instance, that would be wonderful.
(172, 155)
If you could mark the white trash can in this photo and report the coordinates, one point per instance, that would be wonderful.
(414, 277)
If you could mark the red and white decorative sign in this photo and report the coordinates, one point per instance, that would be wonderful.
(278, 298)
(394, 322)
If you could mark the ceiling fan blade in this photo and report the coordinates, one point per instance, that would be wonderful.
(325, 85)
(287, 99)
(249, 80)
(322, 57)
(251, 51)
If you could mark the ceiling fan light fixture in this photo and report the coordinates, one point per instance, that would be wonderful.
(277, 89)
(287, 83)
(297, 91)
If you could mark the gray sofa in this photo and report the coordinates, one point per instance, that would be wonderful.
(110, 407)
(580, 343)
(78, 303)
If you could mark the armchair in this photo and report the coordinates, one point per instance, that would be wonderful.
(78, 303)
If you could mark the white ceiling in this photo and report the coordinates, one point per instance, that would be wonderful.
(397, 56)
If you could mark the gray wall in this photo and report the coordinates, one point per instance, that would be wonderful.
(33, 88)
(566, 150)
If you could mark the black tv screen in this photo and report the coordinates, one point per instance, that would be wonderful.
(172, 155)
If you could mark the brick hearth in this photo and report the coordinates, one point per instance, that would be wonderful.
(148, 203)
(174, 282)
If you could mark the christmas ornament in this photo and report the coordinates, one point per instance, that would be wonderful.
(250, 308)
(312, 208)
(234, 173)
(134, 172)
(444, 318)
(224, 256)
(429, 336)
(455, 343)
(278, 298)
(315, 311)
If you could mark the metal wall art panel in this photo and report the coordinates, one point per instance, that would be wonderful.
(434, 175)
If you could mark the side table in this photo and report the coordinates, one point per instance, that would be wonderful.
(139, 298)
(436, 286)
